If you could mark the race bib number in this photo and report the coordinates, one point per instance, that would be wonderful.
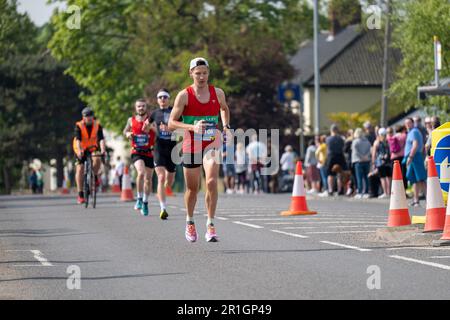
(209, 134)
(141, 140)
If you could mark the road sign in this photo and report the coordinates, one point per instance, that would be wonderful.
(441, 152)
(288, 92)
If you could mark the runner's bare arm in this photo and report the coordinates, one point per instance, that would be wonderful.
(178, 108)
(224, 109)
(127, 129)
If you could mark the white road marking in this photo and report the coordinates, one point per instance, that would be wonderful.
(173, 207)
(37, 255)
(290, 234)
(313, 219)
(321, 222)
(332, 227)
(431, 264)
(341, 232)
(440, 257)
(417, 248)
(248, 225)
(221, 218)
(346, 246)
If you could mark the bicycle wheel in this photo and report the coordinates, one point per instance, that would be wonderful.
(94, 189)
(87, 181)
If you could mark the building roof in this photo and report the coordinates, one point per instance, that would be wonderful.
(353, 58)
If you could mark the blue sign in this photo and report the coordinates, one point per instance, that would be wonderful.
(288, 92)
(441, 155)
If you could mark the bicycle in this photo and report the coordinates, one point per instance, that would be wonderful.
(89, 186)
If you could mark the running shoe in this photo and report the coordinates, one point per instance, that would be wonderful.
(144, 210)
(211, 235)
(191, 233)
(138, 205)
(80, 200)
(163, 214)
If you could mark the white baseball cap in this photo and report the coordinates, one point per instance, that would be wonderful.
(198, 62)
(382, 132)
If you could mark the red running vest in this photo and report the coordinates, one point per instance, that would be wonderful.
(195, 111)
(141, 142)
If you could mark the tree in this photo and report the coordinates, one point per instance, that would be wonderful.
(38, 102)
(127, 48)
(415, 24)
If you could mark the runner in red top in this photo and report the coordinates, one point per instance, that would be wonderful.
(142, 135)
(200, 106)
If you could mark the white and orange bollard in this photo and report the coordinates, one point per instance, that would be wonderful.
(435, 215)
(127, 192)
(398, 207)
(298, 200)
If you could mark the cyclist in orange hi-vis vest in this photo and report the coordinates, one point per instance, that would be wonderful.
(200, 106)
(140, 130)
(88, 136)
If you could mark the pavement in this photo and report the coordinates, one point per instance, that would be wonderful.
(51, 248)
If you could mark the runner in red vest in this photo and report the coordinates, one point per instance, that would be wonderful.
(200, 106)
(139, 130)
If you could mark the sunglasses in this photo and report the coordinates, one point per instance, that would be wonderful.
(163, 97)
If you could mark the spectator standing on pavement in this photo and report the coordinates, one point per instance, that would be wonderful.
(381, 160)
(257, 153)
(321, 156)
(335, 155)
(370, 132)
(287, 161)
(119, 170)
(418, 124)
(361, 162)
(312, 172)
(434, 123)
(348, 159)
(414, 160)
(241, 168)
(400, 135)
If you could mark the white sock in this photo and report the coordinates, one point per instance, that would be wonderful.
(189, 219)
(145, 199)
(139, 195)
(210, 221)
(162, 205)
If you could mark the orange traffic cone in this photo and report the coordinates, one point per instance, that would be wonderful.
(398, 208)
(64, 190)
(116, 184)
(435, 216)
(169, 192)
(446, 234)
(127, 192)
(298, 202)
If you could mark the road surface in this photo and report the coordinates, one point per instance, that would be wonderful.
(261, 255)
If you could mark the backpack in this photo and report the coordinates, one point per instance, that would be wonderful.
(394, 145)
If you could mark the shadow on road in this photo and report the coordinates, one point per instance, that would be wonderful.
(125, 276)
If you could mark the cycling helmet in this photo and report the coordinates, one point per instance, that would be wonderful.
(87, 112)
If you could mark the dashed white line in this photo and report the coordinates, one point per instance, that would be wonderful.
(331, 227)
(341, 232)
(346, 246)
(248, 225)
(417, 248)
(314, 219)
(38, 256)
(290, 234)
(431, 264)
(440, 257)
(221, 218)
(323, 222)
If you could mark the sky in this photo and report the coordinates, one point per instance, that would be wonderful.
(37, 10)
